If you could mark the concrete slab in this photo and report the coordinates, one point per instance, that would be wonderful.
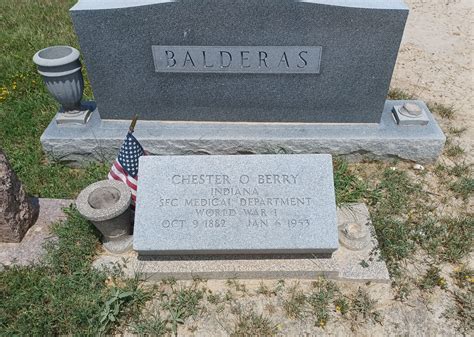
(357, 266)
(30, 249)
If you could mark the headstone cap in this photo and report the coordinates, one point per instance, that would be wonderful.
(369, 4)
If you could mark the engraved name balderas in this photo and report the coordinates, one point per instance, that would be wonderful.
(254, 59)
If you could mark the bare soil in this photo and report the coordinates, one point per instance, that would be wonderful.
(435, 60)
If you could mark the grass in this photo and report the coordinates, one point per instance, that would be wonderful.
(457, 178)
(25, 106)
(446, 239)
(454, 151)
(444, 111)
(394, 191)
(151, 325)
(363, 309)
(325, 302)
(252, 324)
(295, 303)
(173, 304)
(464, 277)
(463, 187)
(65, 295)
(349, 187)
(462, 310)
(456, 132)
(431, 279)
(398, 94)
(319, 300)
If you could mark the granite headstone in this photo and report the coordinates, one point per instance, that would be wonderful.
(278, 204)
(254, 60)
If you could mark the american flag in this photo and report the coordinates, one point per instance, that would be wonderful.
(125, 167)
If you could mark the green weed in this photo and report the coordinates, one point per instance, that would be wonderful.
(294, 306)
(181, 303)
(460, 170)
(431, 279)
(447, 239)
(464, 277)
(349, 187)
(462, 311)
(454, 151)
(398, 94)
(363, 309)
(463, 187)
(442, 110)
(236, 285)
(456, 132)
(64, 295)
(393, 231)
(252, 324)
(319, 300)
(152, 325)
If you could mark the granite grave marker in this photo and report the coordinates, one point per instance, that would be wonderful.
(254, 76)
(253, 60)
(236, 204)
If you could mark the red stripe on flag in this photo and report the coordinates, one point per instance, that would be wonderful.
(115, 177)
(120, 168)
(125, 177)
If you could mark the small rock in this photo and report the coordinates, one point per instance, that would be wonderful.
(418, 167)
(393, 168)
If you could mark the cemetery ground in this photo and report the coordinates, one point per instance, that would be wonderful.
(423, 217)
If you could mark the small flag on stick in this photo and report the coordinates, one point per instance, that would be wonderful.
(125, 167)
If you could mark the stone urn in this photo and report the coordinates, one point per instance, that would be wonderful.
(107, 205)
(60, 68)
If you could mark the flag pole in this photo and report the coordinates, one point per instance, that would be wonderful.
(133, 124)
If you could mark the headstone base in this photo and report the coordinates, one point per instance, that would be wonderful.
(345, 264)
(99, 140)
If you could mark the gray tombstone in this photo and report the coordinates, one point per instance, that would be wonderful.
(254, 60)
(254, 76)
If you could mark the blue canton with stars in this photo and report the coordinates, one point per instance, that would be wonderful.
(129, 154)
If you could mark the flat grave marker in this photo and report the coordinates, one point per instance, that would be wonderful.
(276, 204)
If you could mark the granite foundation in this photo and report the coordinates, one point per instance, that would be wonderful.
(99, 140)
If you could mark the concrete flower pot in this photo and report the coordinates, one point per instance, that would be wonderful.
(60, 68)
(107, 205)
